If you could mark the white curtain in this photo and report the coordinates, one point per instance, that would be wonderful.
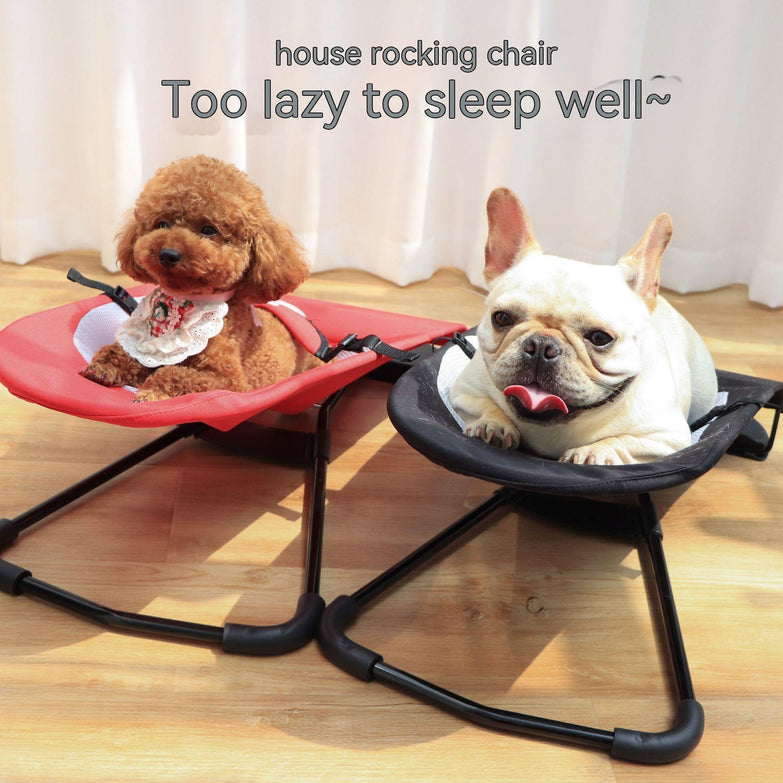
(84, 121)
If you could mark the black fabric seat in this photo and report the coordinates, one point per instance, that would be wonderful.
(419, 410)
(421, 417)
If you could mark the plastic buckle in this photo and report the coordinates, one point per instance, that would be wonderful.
(117, 294)
(371, 342)
(467, 348)
(123, 299)
(374, 343)
(348, 343)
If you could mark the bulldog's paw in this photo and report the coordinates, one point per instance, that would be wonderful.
(602, 452)
(494, 432)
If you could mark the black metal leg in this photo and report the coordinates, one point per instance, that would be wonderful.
(118, 620)
(653, 539)
(490, 717)
(321, 450)
(639, 746)
(303, 626)
(234, 637)
(11, 528)
(432, 548)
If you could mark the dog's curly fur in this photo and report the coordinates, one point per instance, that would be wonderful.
(251, 253)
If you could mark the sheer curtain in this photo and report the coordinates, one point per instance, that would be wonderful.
(84, 121)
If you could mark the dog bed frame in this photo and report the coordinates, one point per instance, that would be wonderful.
(40, 359)
(419, 410)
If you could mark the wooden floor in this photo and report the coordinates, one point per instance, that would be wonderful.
(530, 615)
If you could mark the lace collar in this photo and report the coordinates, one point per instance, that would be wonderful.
(167, 329)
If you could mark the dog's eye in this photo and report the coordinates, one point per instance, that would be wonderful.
(162, 224)
(599, 338)
(208, 231)
(501, 319)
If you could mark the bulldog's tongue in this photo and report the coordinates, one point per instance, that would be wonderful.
(536, 399)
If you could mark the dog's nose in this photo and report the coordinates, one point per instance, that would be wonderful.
(539, 346)
(169, 256)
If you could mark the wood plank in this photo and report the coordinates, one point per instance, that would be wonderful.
(529, 615)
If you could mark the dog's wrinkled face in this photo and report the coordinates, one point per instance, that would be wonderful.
(201, 227)
(560, 337)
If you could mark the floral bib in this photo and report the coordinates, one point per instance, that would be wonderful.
(166, 329)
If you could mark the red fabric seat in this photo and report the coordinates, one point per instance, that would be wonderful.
(39, 362)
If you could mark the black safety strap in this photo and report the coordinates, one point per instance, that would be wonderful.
(758, 450)
(722, 410)
(459, 340)
(356, 344)
(117, 293)
(325, 352)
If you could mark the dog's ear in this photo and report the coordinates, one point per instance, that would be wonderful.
(641, 266)
(277, 265)
(126, 239)
(510, 234)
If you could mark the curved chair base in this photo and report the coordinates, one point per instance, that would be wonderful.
(310, 448)
(640, 746)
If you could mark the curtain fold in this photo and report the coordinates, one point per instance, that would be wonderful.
(84, 121)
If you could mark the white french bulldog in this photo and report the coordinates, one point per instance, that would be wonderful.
(579, 362)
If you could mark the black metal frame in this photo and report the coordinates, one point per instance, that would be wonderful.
(312, 447)
(640, 521)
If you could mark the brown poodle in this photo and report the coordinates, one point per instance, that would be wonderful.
(201, 231)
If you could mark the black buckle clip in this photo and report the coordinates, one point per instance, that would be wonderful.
(327, 353)
(350, 342)
(467, 348)
(372, 342)
(117, 293)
